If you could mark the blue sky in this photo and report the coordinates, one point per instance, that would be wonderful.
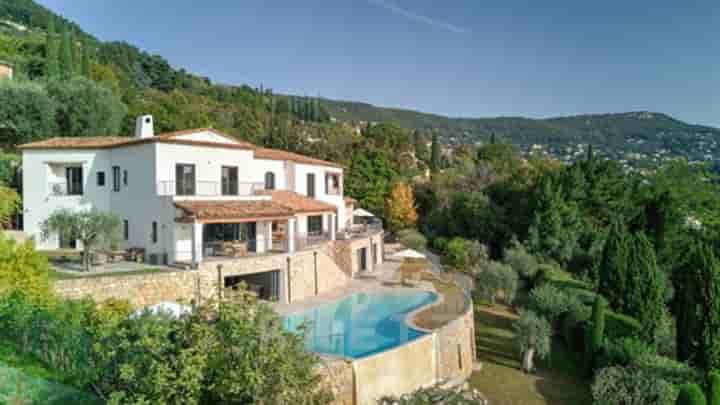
(467, 58)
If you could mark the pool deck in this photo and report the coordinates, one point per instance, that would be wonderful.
(374, 282)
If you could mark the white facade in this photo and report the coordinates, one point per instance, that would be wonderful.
(146, 189)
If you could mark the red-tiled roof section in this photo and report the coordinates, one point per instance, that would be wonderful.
(104, 142)
(232, 210)
(298, 203)
(276, 154)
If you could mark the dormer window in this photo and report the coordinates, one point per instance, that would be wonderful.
(269, 181)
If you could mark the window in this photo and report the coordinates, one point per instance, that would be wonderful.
(229, 180)
(314, 225)
(332, 184)
(125, 178)
(269, 181)
(184, 179)
(126, 229)
(154, 232)
(74, 180)
(311, 185)
(116, 178)
(101, 179)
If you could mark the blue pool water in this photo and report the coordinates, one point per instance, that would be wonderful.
(361, 324)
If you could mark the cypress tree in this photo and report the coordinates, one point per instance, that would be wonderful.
(85, 65)
(612, 278)
(644, 295)
(697, 290)
(595, 340)
(590, 155)
(713, 388)
(51, 51)
(691, 394)
(492, 138)
(435, 154)
(67, 65)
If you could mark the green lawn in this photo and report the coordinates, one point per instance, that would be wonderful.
(502, 381)
(25, 380)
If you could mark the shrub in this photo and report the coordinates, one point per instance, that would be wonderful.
(543, 274)
(618, 326)
(713, 388)
(622, 352)
(456, 252)
(440, 244)
(670, 370)
(630, 385)
(435, 395)
(25, 270)
(494, 278)
(596, 334)
(522, 262)
(691, 394)
(412, 239)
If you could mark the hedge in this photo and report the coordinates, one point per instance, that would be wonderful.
(618, 326)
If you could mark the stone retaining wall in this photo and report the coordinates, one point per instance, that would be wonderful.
(455, 346)
(140, 289)
(337, 376)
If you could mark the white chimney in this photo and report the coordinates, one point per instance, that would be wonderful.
(144, 127)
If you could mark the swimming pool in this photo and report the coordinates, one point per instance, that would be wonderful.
(361, 324)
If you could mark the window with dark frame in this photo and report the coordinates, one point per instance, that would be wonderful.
(101, 179)
(229, 180)
(314, 224)
(154, 232)
(126, 229)
(74, 180)
(311, 185)
(125, 178)
(184, 179)
(116, 178)
(332, 184)
(269, 181)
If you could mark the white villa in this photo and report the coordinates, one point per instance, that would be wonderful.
(189, 197)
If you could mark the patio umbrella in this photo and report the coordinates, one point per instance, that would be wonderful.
(363, 213)
(167, 307)
(408, 254)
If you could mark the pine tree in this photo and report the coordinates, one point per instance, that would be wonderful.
(52, 69)
(85, 65)
(554, 228)
(697, 292)
(435, 154)
(644, 295)
(612, 278)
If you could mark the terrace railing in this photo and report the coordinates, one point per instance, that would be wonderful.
(207, 188)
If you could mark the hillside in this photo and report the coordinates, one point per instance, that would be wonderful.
(633, 136)
(147, 83)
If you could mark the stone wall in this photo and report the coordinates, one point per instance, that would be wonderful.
(455, 346)
(140, 290)
(395, 372)
(311, 272)
(345, 253)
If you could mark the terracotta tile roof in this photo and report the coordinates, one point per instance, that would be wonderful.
(276, 154)
(209, 211)
(105, 142)
(298, 203)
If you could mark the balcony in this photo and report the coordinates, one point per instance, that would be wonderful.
(208, 188)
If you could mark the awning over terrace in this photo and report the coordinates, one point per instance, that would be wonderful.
(281, 205)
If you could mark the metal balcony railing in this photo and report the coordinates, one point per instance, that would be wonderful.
(207, 188)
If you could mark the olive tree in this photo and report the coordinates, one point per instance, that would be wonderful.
(94, 229)
(533, 334)
(496, 278)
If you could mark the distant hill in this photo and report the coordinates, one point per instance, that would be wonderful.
(180, 99)
(650, 135)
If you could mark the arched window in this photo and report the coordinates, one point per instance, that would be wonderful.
(269, 181)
